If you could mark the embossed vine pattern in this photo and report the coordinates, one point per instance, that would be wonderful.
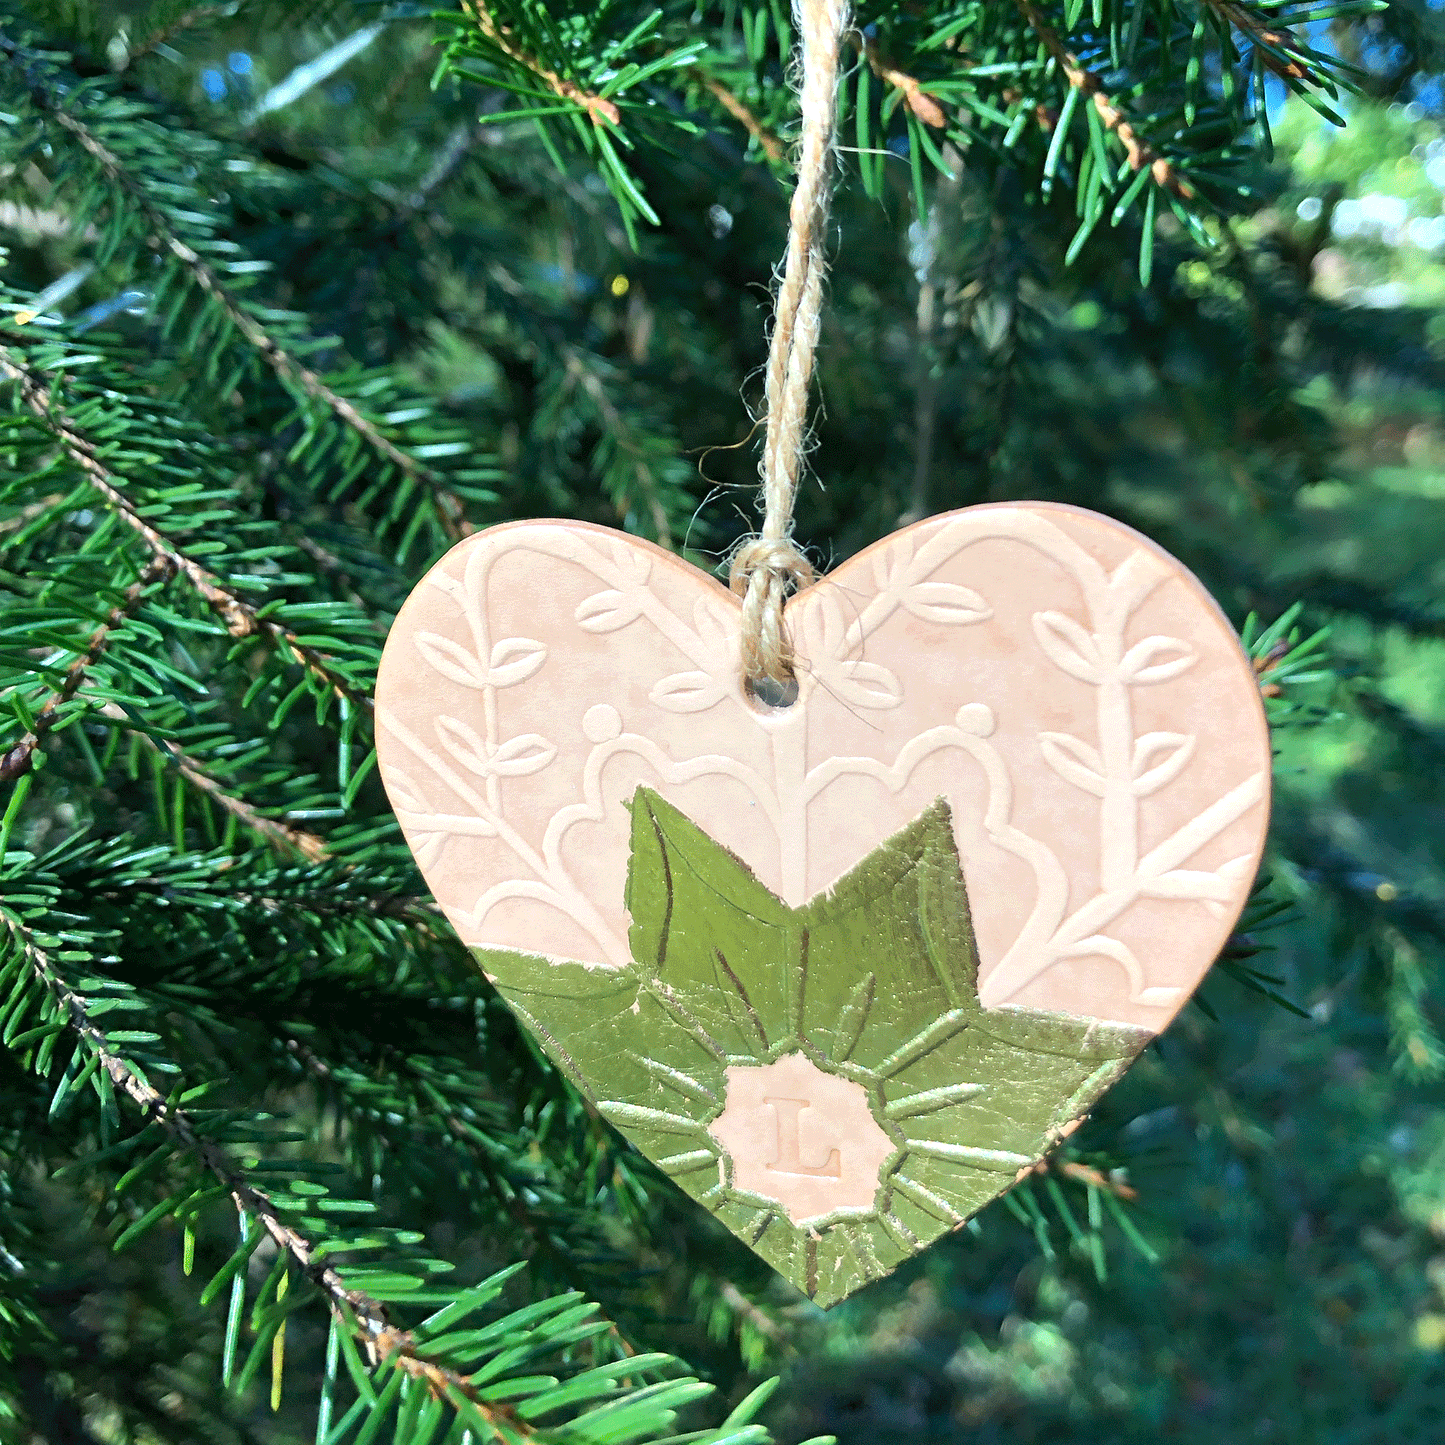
(476, 760)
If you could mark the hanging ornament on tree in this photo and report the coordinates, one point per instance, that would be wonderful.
(843, 899)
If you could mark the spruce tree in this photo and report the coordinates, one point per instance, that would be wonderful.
(297, 294)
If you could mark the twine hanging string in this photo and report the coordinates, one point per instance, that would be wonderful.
(767, 567)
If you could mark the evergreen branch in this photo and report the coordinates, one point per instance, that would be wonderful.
(162, 34)
(365, 1317)
(331, 564)
(239, 617)
(771, 144)
(522, 1184)
(281, 361)
(1141, 153)
(917, 99)
(598, 108)
(19, 758)
(1087, 1174)
(16, 216)
(759, 1319)
(1278, 48)
(286, 366)
(407, 206)
(520, 1204)
(447, 162)
(30, 513)
(621, 433)
(247, 814)
(455, 1128)
(420, 912)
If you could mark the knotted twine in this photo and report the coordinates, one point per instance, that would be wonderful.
(767, 567)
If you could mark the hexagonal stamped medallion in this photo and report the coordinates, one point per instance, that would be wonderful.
(801, 1138)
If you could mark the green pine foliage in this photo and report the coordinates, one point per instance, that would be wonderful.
(298, 293)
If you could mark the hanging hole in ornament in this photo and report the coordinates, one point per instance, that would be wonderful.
(768, 692)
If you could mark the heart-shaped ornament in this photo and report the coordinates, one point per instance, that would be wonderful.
(744, 931)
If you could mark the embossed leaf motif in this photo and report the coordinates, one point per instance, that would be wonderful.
(824, 629)
(1074, 761)
(634, 565)
(687, 692)
(946, 602)
(891, 565)
(1069, 646)
(873, 983)
(428, 848)
(1159, 758)
(465, 744)
(526, 753)
(865, 684)
(451, 659)
(404, 791)
(1140, 665)
(608, 610)
(714, 630)
(514, 660)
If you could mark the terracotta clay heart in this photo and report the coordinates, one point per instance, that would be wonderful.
(1061, 693)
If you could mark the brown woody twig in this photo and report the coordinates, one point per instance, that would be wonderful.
(1264, 37)
(247, 814)
(598, 108)
(1141, 153)
(915, 97)
(239, 617)
(19, 758)
(1087, 1174)
(1265, 665)
(286, 366)
(481, 1160)
(771, 144)
(358, 1311)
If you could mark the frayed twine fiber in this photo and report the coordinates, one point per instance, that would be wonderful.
(767, 567)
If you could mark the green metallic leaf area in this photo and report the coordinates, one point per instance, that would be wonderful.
(873, 982)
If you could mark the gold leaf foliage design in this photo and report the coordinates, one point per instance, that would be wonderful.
(874, 982)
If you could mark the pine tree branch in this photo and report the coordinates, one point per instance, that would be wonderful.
(333, 566)
(19, 758)
(445, 165)
(406, 208)
(30, 513)
(760, 1320)
(457, 1130)
(420, 912)
(1140, 152)
(1087, 1174)
(286, 366)
(915, 97)
(772, 145)
(187, 20)
(1277, 47)
(591, 383)
(247, 814)
(240, 618)
(598, 108)
(365, 1317)
(585, 1270)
